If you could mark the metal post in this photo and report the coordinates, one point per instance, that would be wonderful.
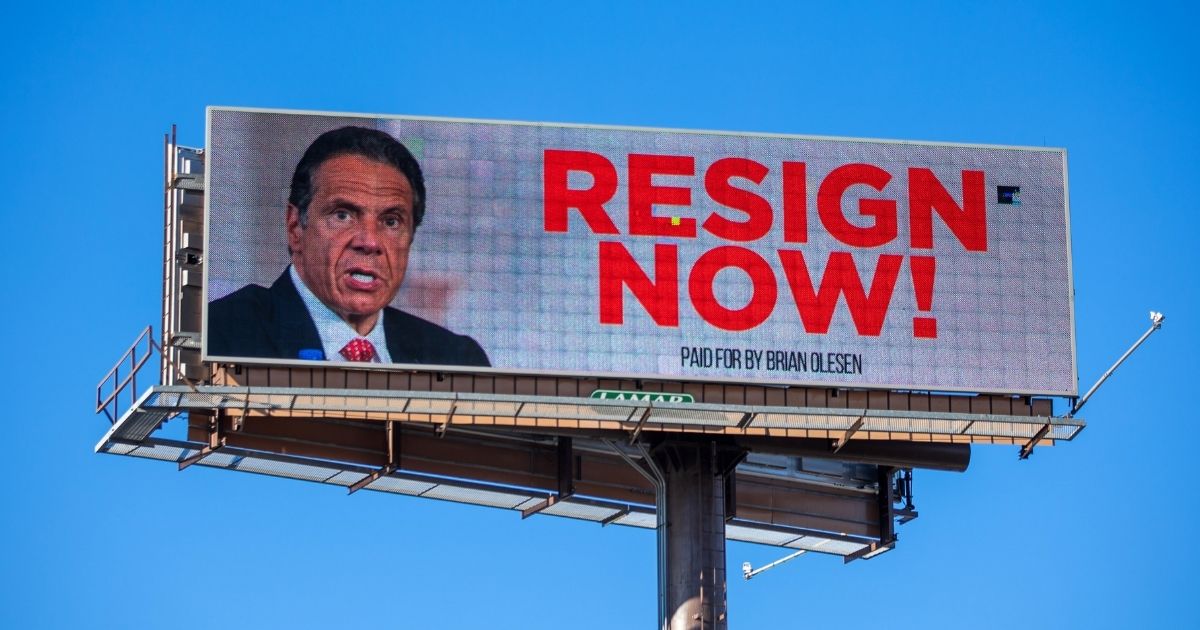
(748, 572)
(1156, 320)
(693, 508)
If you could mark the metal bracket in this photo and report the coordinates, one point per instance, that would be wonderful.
(566, 478)
(1027, 449)
(905, 515)
(887, 529)
(748, 572)
(215, 442)
(649, 470)
(237, 423)
(870, 551)
(441, 430)
(841, 442)
(903, 490)
(541, 505)
(371, 478)
(1156, 320)
(640, 423)
(609, 520)
(392, 465)
(887, 525)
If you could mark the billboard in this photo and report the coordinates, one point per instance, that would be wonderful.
(597, 251)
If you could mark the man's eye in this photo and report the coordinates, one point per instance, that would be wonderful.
(392, 222)
(341, 215)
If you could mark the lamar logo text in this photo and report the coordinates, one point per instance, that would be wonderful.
(650, 397)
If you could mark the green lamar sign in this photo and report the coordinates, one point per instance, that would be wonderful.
(651, 397)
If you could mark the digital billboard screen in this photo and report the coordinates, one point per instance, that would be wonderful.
(522, 248)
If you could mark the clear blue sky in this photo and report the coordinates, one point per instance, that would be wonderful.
(1097, 533)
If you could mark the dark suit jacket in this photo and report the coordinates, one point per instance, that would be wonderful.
(274, 323)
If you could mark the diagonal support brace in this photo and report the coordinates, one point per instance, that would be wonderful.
(392, 465)
(640, 423)
(841, 442)
(371, 478)
(215, 442)
(615, 516)
(445, 426)
(1156, 320)
(1027, 449)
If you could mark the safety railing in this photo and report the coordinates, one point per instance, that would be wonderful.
(123, 376)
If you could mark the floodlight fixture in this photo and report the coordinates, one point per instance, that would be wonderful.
(748, 572)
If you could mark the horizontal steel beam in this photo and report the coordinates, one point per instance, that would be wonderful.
(895, 453)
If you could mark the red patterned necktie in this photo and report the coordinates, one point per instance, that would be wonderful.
(359, 350)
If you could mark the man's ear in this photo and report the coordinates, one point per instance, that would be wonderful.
(294, 228)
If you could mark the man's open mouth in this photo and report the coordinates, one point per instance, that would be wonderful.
(363, 280)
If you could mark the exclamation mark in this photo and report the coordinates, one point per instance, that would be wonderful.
(924, 268)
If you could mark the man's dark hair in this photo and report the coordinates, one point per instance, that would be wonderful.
(369, 143)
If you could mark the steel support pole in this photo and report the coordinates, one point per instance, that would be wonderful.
(692, 569)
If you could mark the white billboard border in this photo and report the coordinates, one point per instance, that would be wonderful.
(459, 369)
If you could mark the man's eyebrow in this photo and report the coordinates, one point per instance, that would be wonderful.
(342, 202)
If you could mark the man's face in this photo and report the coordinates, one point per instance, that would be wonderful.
(353, 250)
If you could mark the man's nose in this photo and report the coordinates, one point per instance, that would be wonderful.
(366, 238)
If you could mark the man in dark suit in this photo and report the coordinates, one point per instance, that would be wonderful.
(356, 199)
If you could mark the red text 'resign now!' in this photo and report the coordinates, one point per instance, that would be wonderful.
(733, 183)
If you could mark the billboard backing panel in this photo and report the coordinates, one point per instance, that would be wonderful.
(624, 252)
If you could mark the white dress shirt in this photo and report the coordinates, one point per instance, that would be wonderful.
(335, 333)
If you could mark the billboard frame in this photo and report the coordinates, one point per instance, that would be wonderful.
(392, 367)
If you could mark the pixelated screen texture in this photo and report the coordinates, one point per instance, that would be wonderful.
(482, 263)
